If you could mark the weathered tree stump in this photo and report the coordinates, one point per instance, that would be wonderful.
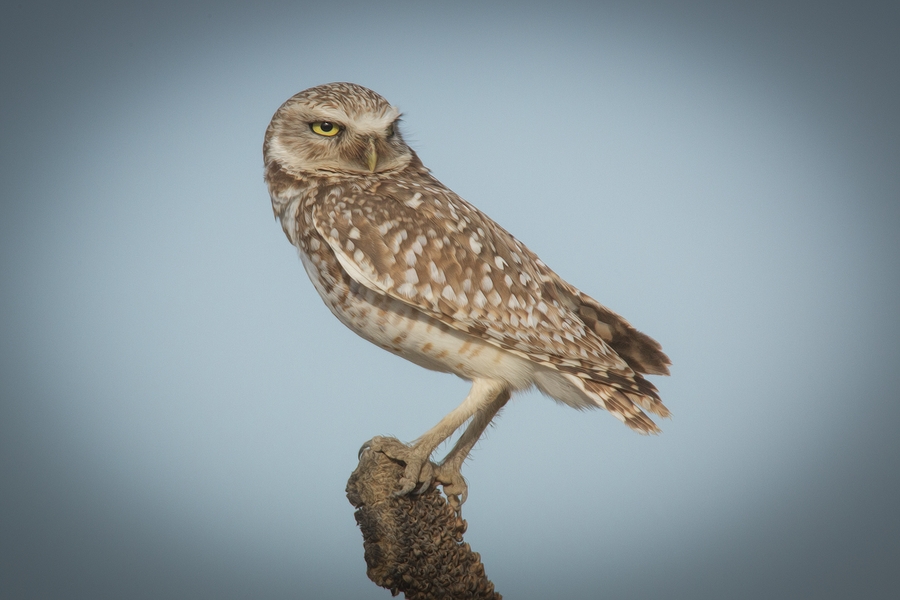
(414, 543)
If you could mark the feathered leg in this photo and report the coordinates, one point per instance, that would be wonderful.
(448, 472)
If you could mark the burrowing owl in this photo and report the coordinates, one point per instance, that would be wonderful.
(412, 267)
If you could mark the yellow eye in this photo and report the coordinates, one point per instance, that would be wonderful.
(326, 128)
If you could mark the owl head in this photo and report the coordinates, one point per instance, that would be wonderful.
(339, 128)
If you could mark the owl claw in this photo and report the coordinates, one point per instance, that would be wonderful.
(363, 448)
(453, 484)
(419, 471)
(416, 478)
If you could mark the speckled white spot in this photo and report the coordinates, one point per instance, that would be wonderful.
(415, 201)
(436, 274)
(479, 299)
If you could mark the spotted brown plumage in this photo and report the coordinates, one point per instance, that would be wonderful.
(409, 265)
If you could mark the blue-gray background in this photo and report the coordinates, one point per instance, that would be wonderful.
(180, 412)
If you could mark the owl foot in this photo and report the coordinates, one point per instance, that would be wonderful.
(453, 483)
(419, 472)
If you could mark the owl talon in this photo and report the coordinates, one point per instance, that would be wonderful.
(363, 448)
(419, 471)
(453, 484)
(416, 478)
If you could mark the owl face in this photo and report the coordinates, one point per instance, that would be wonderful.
(337, 127)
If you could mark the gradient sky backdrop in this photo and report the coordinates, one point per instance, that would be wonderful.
(179, 412)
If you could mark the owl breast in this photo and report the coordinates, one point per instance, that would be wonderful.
(401, 329)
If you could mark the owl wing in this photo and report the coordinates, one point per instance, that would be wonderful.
(426, 247)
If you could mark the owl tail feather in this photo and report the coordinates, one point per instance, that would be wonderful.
(626, 406)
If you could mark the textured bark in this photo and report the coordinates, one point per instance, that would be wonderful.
(413, 544)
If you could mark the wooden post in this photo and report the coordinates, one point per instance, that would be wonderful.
(414, 543)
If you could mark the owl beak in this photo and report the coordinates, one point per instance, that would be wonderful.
(371, 155)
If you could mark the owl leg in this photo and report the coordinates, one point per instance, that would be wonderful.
(419, 469)
(448, 472)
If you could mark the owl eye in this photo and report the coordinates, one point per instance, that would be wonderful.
(390, 131)
(326, 128)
